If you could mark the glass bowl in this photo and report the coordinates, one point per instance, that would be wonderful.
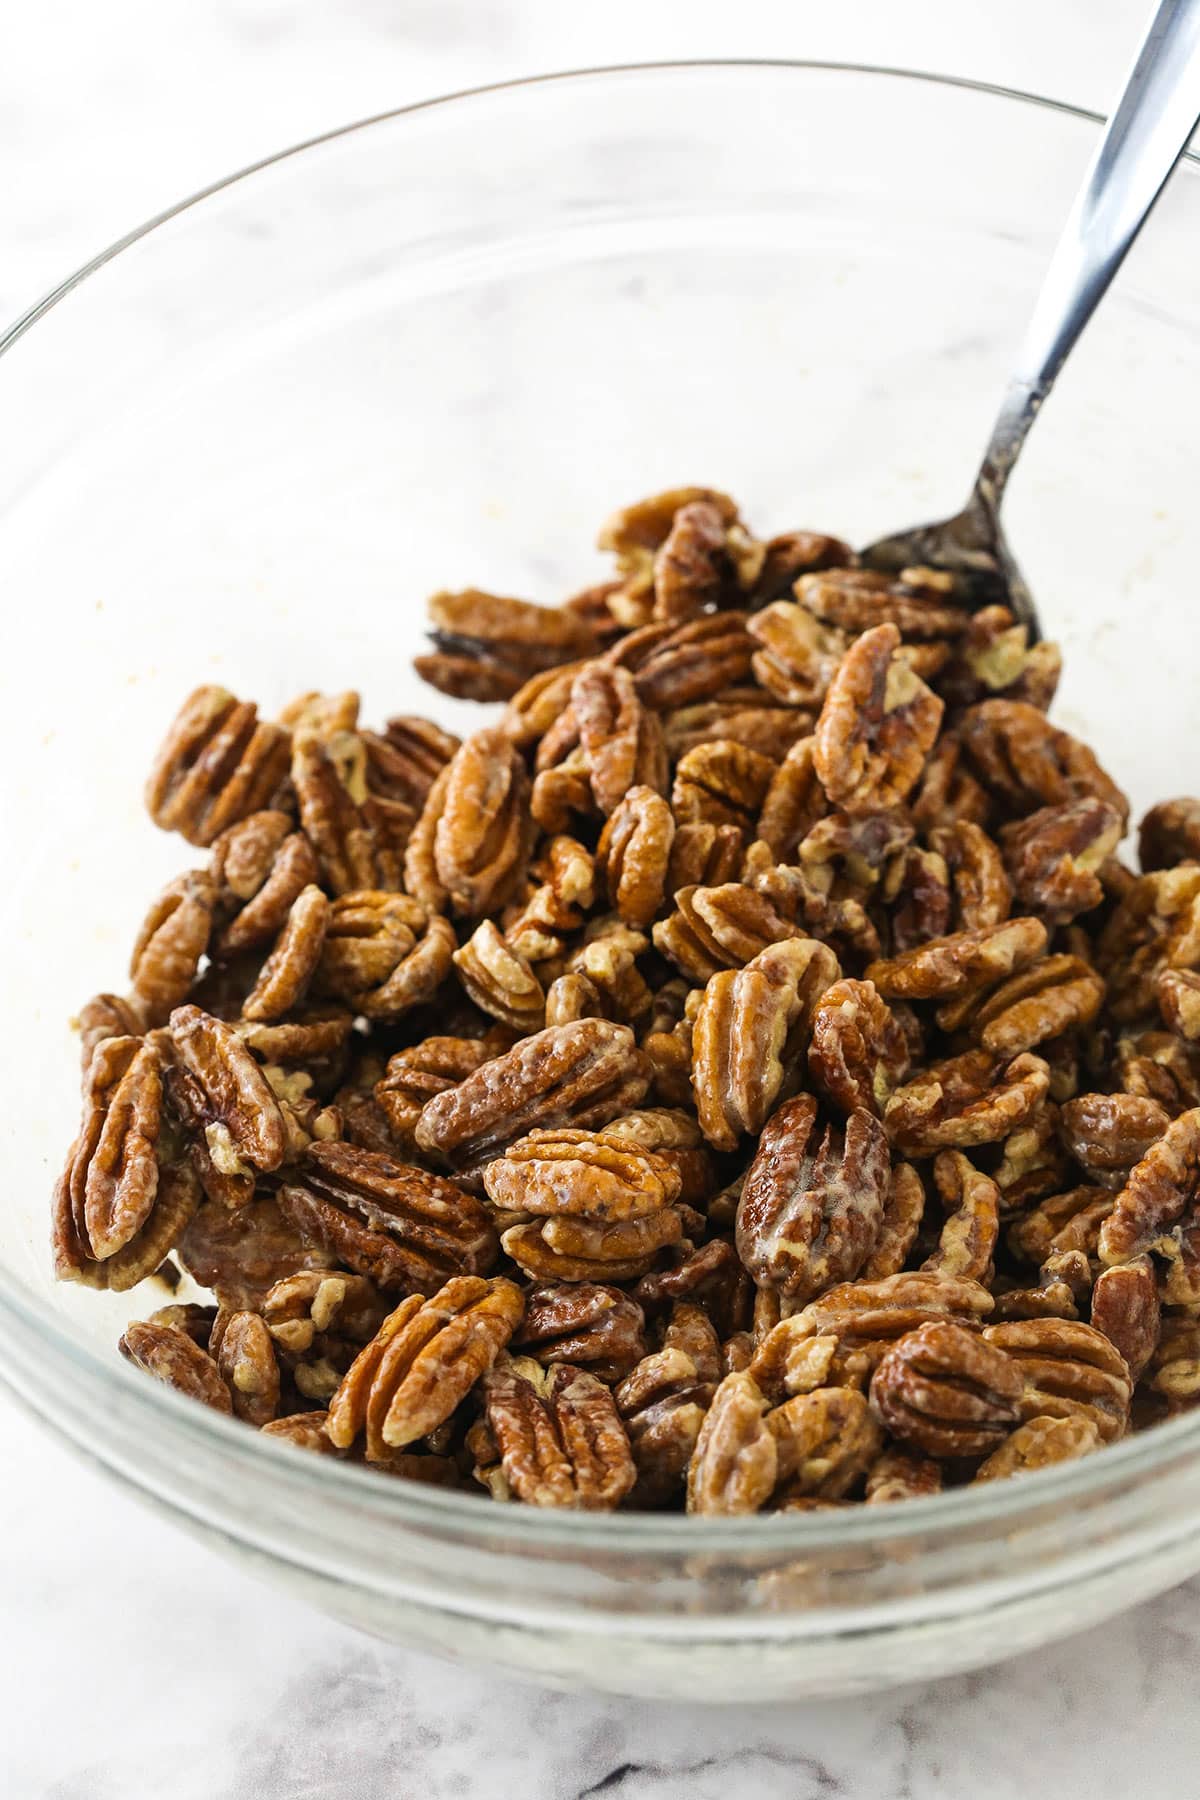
(435, 350)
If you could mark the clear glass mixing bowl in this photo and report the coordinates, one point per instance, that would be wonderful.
(435, 350)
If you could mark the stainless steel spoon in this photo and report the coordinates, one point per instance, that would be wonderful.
(1143, 140)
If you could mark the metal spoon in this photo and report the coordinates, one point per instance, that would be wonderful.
(1143, 140)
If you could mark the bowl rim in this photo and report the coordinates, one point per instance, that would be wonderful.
(412, 1503)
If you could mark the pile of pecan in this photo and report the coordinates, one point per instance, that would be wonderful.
(742, 1076)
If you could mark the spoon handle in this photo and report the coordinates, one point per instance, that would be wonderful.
(1143, 140)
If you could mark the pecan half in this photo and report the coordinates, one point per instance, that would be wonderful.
(218, 763)
(260, 866)
(499, 980)
(384, 953)
(968, 1239)
(416, 1075)
(424, 1360)
(584, 1323)
(721, 783)
(173, 938)
(1157, 1210)
(472, 840)
(1054, 853)
(825, 1442)
(1125, 1307)
(716, 928)
(106, 1016)
(241, 1255)
(225, 1095)
(947, 1392)
(876, 727)
(1170, 834)
(903, 1211)
(1068, 1370)
(170, 1355)
(634, 854)
(680, 665)
(621, 741)
(859, 1053)
(902, 1475)
(582, 1173)
(1108, 1133)
(976, 1098)
(563, 1247)
(733, 1466)
(810, 1213)
(487, 645)
(245, 1358)
(1178, 993)
(284, 978)
(1039, 1444)
(559, 1434)
(1026, 763)
(960, 963)
(798, 657)
(582, 1074)
(399, 1225)
(355, 845)
(746, 1021)
(793, 802)
(1155, 927)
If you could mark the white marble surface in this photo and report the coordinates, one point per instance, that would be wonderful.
(134, 1662)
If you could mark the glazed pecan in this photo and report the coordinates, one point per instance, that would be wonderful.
(106, 1016)
(425, 1359)
(583, 1074)
(825, 1442)
(744, 716)
(976, 1098)
(241, 1255)
(1170, 834)
(173, 938)
(681, 665)
(972, 1201)
(796, 553)
(355, 844)
(693, 570)
(947, 1392)
(902, 1475)
(734, 1464)
(810, 1213)
(1066, 1221)
(224, 1095)
(877, 725)
(1108, 1133)
(245, 1359)
(1057, 994)
(634, 854)
(260, 866)
(859, 1053)
(704, 855)
(1156, 1210)
(585, 1174)
(960, 963)
(560, 1438)
(798, 657)
(981, 893)
(1053, 855)
(542, 925)
(920, 603)
(415, 1076)
(487, 645)
(563, 1247)
(621, 740)
(1174, 1369)
(903, 1211)
(1038, 1444)
(793, 802)
(1068, 1370)
(663, 1402)
(1026, 763)
(721, 783)
(635, 533)
(866, 1316)
(596, 1327)
(284, 978)
(1158, 1066)
(499, 980)
(715, 928)
(1178, 993)
(947, 791)
(218, 763)
(788, 1360)
(1125, 1308)
(171, 1356)
(119, 1206)
(747, 1021)
(994, 656)
(405, 762)
(399, 1225)
(306, 1431)
(470, 844)
(384, 953)
(1155, 927)
(316, 1311)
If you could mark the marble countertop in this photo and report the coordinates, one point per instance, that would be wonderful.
(134, 1662)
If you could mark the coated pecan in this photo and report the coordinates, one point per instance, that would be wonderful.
(1170, 834)
(1178, 993)
(315, 1036)
(825, 1442)
(384, 953)
(704, 855)
(425, 1359)
(499, 980)
(976, 1098)
(106, 1016)
(1155, 927)
(715, 928)
(587, 1174)
(607, 958)
(747, 1022)
(681, 665)
(242, 1255)
(1069, 1370)
(1054, 853)
(560, 1438)
(583, 1323)
(876, 727)
(721, 783)
(663, 1402)
(218, 763)
(1055, 995)
(1026, 763)
(859, 1053)
(284, 978)
(1039, 1444)
(866, 1316)
(316, 1312)
(245, 1359)
(796, 553)
(634, 854)
(399, 1225)
(474, 835)
(693, 570)
(224, 1094)
(171, 1356)
(305, 1431)
(1032, 1162)
(119, 1205)
(919, 604)
(798, 657)
(487, 645)
(635, 533)
(354, 845)
(566, 1248)
(1125, 1308)
(1066, 1221)
(745, 717)
(1157, 1066)
(536, 706)
(540, 927)
(980, 889)
(1156, 1211)
(405, 762)
(416, 1075)
(675, 1137)
(902, 1475)
(810, 1213)
(948, 1392)
(583, 1074)
(622, 742)
(947, 791)
(789, 1360)
(917, 897)
(733, 1466)
(972, 1201)
(1108, 1133)
(793, 802)
(259, 866)
(960, 963)
(903, 1211)
(1175, 1366)
(173, 938)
